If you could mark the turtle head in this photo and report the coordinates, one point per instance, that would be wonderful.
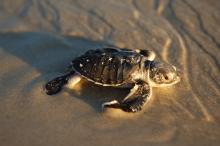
(162, 74)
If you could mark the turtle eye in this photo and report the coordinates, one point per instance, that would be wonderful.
(166, 77)
(157, 73)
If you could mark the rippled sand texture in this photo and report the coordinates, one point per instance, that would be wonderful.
(38, 38)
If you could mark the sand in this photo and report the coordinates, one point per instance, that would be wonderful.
(39, 38)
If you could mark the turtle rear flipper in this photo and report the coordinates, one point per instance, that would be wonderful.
(55, 85)
(134, 101)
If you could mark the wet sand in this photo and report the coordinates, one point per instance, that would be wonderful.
(39, 38)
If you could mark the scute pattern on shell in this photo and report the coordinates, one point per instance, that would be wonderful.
(108, 66)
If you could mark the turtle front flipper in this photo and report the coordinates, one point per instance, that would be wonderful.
(147, 53)
(134, 101)
(55, 85)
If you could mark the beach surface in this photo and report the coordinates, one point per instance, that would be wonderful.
(39, 38)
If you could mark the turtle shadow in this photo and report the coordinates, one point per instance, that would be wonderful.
(96, 95)
(50, 54)
(46, 52)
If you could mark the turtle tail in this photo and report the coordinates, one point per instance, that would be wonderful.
(54, 86)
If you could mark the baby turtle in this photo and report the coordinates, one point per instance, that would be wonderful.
(119, 68)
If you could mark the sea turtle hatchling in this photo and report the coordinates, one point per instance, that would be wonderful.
(117, 67)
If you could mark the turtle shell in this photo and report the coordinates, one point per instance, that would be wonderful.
(108, 66)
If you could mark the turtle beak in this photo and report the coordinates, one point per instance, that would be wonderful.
(174, 67)
(178, 79)
(178, 74)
